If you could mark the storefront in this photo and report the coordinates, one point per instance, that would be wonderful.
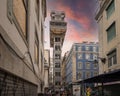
(104, 85)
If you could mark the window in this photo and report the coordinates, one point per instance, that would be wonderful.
(87, 65)
(79, 48)
(36, 52)
(110, 9)
(57, 65)
(87, 48)
(95, 56)
(95, 65)
(111, 32)
(79, 75)
(79, 65)
(109, 61)
(57, 83)
(53, 15)
(112, 60)
(87, 56)
(62, 16)
(57, 47)
(19, 17)
(94, 49)
(57, 73)
(79, 56)
(57, 39)
(57, 56)
(87, 74)
(74, 48)
(95, 73)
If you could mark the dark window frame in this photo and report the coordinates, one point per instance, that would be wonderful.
(112, 25)
(12, 18)
(57, 39)
(107, 9)
(112, 58)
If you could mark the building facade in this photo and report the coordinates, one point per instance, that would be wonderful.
(80, 63)
(108, 20)
(57, 34)
(46, 69)
(63, 71)
(22, 47)
(107, 17)
(51, 73)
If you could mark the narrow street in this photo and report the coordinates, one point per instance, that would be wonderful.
(59, 48)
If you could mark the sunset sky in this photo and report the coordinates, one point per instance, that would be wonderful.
(81, 25)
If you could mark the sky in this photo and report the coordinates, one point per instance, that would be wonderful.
(80, 18)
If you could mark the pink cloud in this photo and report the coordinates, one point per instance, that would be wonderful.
(78, 35)
(73, 32)
(71, 15)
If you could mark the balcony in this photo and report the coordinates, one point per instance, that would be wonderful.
(58, 27)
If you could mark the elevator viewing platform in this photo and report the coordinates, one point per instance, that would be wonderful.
(57, 26)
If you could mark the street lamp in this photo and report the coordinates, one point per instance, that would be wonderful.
(103, 60)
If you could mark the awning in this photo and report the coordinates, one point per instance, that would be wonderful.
(103, 78)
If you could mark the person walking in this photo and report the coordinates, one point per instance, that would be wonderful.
(57, 93)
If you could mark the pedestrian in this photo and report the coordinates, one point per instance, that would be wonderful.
(57, 93)
(88, 91)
